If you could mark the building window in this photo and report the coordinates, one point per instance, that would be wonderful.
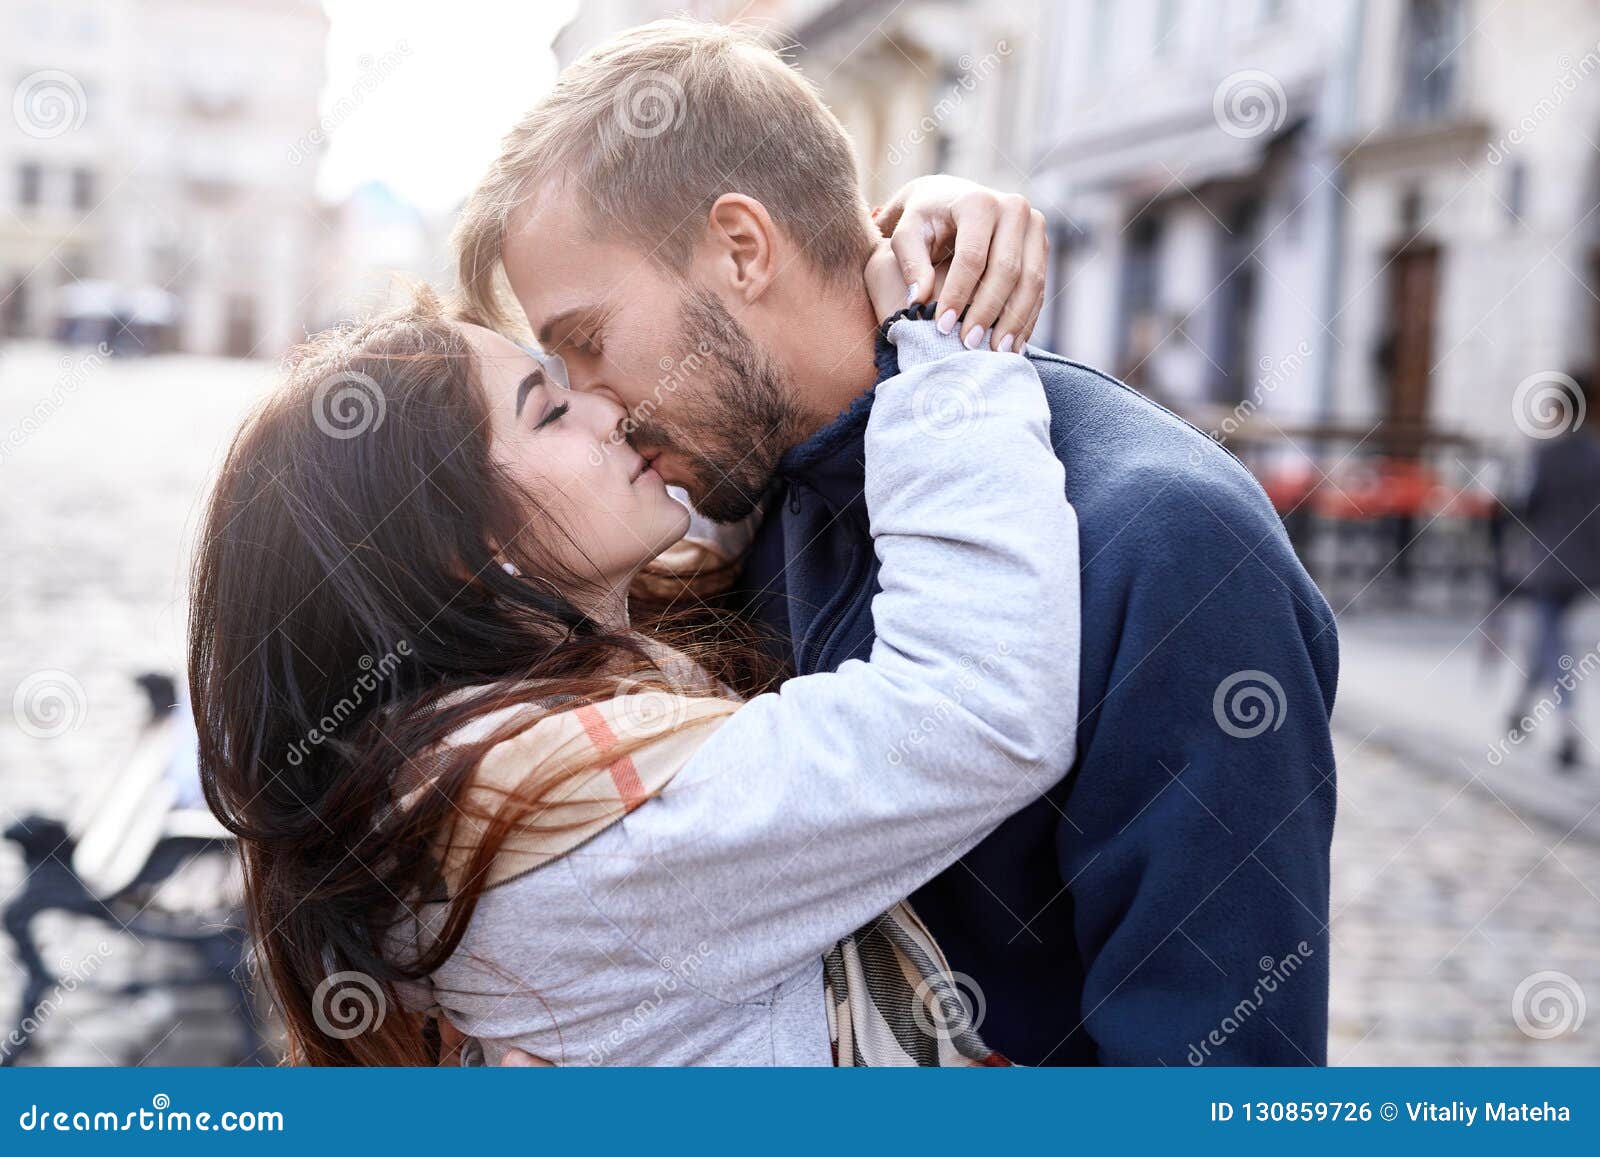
(82, 189)
(1429, 44)
(1516, 200)
(14, 307)
(239, 339)
(1138, 326)
(1099, 39)
(30, 179)
(1166, 28)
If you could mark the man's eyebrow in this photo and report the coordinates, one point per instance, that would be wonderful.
(536, 378)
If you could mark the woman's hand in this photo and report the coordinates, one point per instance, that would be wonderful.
(998, 250)
(451, 1040)
(885, 286)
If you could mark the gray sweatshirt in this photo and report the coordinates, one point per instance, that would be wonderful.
(692, 931)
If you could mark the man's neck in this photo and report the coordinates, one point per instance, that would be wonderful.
(832, 363)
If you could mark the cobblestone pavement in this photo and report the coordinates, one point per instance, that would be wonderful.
(102, 465)
(1445, 899)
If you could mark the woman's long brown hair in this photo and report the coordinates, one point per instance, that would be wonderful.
(348, 578)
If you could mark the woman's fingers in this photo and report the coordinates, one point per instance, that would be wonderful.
(885, 287)
(990, 249)
(520, 1059)
(975, 218)
(450, 1041)
(912, 246)
(1000, 272)
(1022, 307)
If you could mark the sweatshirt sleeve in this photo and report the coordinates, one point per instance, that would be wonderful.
(815, 808)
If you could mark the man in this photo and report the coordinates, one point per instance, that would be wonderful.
(1561, 543)
(1168, 902)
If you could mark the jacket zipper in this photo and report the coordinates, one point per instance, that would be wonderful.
(834, 616)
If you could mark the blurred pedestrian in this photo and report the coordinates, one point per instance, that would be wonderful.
(1558, 515)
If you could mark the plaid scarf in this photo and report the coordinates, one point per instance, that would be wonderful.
(891, 997)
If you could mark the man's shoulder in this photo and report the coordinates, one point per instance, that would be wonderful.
(1128, 457)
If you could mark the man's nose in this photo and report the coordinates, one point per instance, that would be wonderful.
(594, 385)
(606, 410)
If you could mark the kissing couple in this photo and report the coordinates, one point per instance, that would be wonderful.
(928, 731)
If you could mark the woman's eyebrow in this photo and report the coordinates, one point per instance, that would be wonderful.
(536, 378)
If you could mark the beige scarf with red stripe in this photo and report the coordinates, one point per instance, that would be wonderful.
(619, 753)
(891, 996)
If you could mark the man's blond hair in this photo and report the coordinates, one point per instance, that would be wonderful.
(653, 126)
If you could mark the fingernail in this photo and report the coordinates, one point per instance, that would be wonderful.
(1007, 342)
(974, 337)
(911, 294)
(947, 321)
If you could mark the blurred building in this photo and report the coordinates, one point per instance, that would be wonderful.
(924, 86)
(1192, 237)
(921, 86)
(381, 244)
(1359, 212)
(1470, 256)
(163, 147)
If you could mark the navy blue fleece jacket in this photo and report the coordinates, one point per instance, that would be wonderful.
(1168, 901)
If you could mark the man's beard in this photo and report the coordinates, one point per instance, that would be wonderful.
(736, 418)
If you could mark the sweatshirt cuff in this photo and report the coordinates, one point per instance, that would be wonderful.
(918, 342)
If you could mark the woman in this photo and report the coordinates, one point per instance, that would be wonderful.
(466, 784)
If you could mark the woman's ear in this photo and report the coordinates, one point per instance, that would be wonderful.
(740, 251)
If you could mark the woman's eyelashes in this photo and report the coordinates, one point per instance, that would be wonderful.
(553, 414)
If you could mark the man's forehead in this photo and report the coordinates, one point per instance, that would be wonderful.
(556, 264)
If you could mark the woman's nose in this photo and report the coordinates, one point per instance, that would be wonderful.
(605, 412)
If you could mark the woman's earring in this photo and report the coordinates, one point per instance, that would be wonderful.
(511, 569)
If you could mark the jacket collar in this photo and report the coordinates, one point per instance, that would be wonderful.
(832, 461)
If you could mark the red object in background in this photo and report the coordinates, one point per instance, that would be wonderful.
(1379, 487)
(1288, 486)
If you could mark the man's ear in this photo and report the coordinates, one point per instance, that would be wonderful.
(740, 251)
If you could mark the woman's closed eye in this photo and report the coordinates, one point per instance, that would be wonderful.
(553, 414)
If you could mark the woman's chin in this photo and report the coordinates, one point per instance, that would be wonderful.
(677, 525)
(664, 532)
